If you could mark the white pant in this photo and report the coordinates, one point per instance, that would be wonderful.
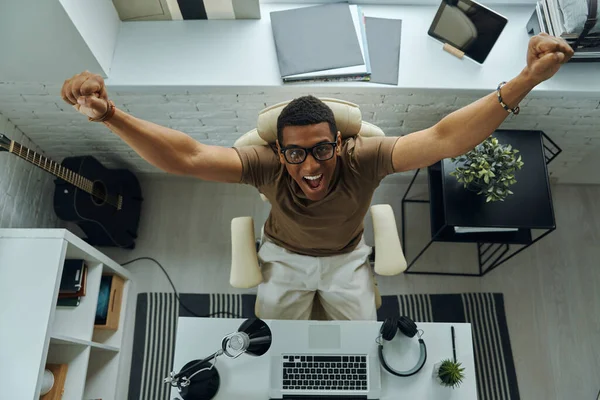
(344, 284)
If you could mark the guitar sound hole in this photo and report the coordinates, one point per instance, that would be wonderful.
(99, 191)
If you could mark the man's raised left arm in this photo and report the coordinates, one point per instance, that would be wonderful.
(465, 128)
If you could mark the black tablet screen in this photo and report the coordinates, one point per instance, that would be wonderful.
(468, 26)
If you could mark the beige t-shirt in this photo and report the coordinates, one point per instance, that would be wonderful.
(333, 225)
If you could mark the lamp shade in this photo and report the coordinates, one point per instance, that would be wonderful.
(260, 336)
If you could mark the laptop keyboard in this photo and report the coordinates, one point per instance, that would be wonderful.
(320, 372)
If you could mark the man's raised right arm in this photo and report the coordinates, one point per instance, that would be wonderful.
(168, 149)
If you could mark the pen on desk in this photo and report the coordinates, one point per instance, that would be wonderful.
(453, 344)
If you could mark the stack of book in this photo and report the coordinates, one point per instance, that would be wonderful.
(72, 283)
(321, 43)
(569, 24)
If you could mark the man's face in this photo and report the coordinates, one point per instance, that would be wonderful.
(312, 176)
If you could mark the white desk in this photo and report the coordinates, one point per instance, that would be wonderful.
(174, 56)
(247, 377)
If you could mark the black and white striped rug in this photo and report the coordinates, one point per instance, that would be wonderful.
(156, 326)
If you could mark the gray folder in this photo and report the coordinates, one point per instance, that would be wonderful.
(383, 40)
(315, 38)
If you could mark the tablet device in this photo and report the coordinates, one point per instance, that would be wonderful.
(468, 26)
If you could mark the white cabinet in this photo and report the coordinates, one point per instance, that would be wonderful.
(33, 331)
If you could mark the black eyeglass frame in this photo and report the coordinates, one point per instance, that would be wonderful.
(308, 150)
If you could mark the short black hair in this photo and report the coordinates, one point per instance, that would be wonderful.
(305, 110)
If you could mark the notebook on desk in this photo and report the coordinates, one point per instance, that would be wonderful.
(321, 42)
(324, 360)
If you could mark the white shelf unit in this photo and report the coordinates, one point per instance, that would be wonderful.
(33, 331)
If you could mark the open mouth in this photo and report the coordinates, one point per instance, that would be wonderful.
(313, 181)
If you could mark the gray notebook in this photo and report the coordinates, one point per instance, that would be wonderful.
(383, 36)
(317, 38)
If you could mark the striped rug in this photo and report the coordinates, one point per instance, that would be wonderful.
(156, 325)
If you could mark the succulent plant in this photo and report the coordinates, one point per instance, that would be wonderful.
(451, 373)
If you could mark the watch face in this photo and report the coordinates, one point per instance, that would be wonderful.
(468, 26)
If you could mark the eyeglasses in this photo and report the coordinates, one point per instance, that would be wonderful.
(321, 152)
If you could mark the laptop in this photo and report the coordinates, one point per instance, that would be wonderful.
(324, 359)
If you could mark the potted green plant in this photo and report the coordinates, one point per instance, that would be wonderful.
(449, 373)
(488, 169)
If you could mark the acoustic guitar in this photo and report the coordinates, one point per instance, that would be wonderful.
(104, 203)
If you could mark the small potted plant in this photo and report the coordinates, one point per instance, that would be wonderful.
(449, 373)
(488, 169)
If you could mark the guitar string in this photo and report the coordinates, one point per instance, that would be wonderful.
(63, 175)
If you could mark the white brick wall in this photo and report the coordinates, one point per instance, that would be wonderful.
(220, 117)
(25, 190)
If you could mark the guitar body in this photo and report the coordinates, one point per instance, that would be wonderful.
(103, 223)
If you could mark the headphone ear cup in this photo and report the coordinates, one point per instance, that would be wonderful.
(388, 328)
(407, 326)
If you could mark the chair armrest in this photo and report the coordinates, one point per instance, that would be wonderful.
(245, 271)
(389, 257)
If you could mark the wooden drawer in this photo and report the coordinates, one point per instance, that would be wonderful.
(117, 285)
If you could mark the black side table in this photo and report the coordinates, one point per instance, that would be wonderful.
(496, 227)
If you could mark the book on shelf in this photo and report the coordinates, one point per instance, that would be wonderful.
(323, 42)
(540, 17)
(82, 288)
(551, 20)
(72, 276)
(546, 15)
(72, 283)
(68, 302)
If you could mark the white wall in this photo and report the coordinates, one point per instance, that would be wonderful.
(98, 23)
(211, 81)
(39, 43)
(219, 117)
(25, 191)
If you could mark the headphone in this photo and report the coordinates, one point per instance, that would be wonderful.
(408, 327)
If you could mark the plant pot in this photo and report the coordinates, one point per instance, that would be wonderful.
(435, 373)
(474, 186)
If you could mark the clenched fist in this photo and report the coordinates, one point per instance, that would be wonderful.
(87, 93)
(545, 55)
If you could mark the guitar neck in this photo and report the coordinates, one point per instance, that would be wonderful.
(54, 168)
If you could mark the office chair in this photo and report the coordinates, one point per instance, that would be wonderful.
(389, 258)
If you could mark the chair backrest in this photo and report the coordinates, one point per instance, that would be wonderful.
(348, 119)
